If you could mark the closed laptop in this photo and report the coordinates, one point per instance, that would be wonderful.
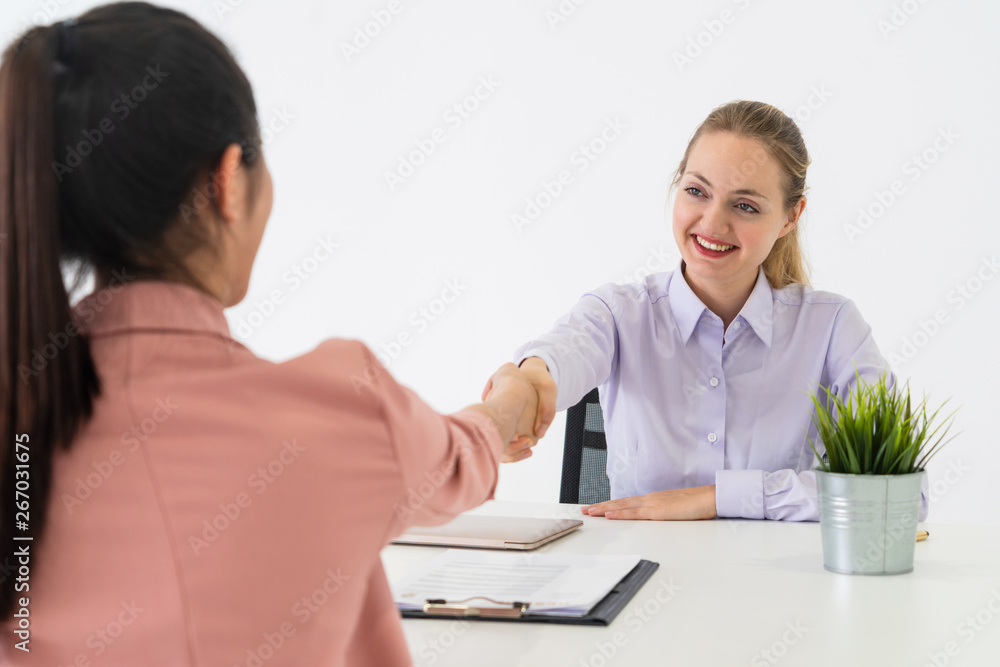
(491, 532)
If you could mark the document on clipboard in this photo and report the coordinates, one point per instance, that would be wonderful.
(499, 586)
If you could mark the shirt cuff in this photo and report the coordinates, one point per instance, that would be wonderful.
(544, 356)
(739, 493)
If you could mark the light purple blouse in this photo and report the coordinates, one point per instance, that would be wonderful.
(687, 404)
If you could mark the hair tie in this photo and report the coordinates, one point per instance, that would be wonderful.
(65, 46)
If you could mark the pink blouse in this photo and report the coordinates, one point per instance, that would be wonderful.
(223, 510)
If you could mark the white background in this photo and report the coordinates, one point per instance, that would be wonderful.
(873, 84)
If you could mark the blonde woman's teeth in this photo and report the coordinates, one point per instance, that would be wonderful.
(711, 246)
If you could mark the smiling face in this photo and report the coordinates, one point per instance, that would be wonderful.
(728, 212)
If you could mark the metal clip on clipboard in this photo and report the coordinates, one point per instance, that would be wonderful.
(439, 607)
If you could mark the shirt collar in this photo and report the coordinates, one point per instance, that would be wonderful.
(150, 305)
(687, 308)
(684, 303)
(758, 311)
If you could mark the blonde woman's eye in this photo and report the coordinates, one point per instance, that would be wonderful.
(693, 191)
(748, 209)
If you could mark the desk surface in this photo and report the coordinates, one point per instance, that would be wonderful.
(732, 592)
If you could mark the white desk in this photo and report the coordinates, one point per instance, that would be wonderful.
(744, 593)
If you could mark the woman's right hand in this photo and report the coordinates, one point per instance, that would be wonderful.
(511, 401)
(537, 373)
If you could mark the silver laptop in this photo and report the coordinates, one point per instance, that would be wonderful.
(491, 532)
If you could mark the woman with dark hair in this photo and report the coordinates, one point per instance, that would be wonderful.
(167, 497)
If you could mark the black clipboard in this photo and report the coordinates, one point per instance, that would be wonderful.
(603, 613)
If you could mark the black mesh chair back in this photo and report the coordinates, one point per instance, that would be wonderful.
(585, 454)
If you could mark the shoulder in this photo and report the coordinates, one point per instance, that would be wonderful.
(812, 301)
(624, 297)
(819, 310)
(345, 354)
(336, 369)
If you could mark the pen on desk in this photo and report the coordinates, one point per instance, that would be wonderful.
(922, 535)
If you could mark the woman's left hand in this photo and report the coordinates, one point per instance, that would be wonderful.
(697, 502)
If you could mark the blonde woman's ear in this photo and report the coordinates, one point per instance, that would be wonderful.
(797, 210)
(794, 214)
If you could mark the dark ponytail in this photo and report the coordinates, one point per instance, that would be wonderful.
(41, 409)
(107, 127)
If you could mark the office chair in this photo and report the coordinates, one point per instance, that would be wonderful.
(585, 454)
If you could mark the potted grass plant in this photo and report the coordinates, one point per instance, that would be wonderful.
(869, 482)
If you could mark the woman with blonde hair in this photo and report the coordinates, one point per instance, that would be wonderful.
(704, 372)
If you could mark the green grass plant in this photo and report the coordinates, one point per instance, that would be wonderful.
(875, 431)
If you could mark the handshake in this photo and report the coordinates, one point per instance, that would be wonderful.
(522, 403)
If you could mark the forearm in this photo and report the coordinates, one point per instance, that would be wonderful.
(579, 351)
(503, 413)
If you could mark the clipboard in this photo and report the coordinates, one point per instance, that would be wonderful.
(603, 613)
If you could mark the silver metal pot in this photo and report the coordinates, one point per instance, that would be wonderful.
(868, 522)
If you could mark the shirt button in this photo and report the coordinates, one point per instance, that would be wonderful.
(736, 325)
(712, 437)
(714, 382)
